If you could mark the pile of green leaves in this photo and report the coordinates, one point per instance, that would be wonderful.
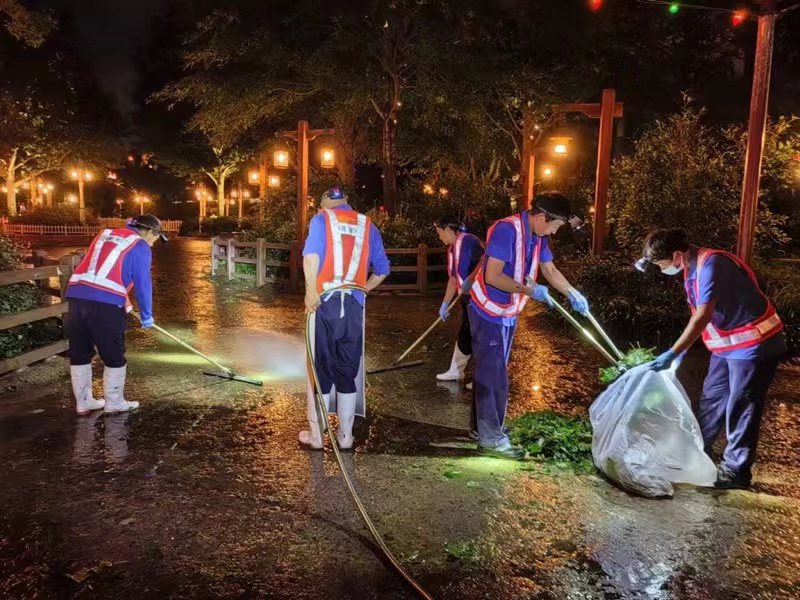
(553, 436)
(632, 358)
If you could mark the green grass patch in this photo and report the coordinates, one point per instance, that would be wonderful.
(464, 550)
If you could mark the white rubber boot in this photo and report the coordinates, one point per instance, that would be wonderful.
(457, 365)
(114, 387)
(346, 412)
(312, 437)
(81, 376)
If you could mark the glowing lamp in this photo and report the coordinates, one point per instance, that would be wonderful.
(738, 17)
(273, 181)
(281, 159)
(328, 161)
(254, 176)
(427, 189)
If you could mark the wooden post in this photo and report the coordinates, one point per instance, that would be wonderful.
(241, 203)
(66, 264)
(214, 256)
(603, 169)
(527, 163)
(756, 132)
(81, 205)
(261, 259)
(295, 266)
(230, 249)
(303, 135)
(422, 268)
(262, 185)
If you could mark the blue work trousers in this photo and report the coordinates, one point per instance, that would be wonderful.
(734, 394)
(338, 342)
(491, 346)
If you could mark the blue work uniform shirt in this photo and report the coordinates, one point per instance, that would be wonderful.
(502, 245)
(316, 243)
(471, 253)
(135, 269)
(738, 302)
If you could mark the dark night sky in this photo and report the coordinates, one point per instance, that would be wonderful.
(110, 32)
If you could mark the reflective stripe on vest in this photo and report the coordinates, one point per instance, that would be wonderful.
(453, 256)
(479, 292)
(96, 273)
(337, 229)
(749, 334)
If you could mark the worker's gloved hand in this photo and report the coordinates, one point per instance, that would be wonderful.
(148, 323)
(665, 360)
(578, 302)
(541, 293)
(443, 312)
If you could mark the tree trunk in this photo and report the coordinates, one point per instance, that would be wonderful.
(11, 198)
(221, 196)
(389, 176)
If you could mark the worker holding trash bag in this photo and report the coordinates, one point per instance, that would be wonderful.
(516, 249)
(117, 260)
(464, 252)
(742, 331)
(341, 246)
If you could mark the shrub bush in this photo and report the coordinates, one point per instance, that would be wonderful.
(55, 215)
(20, 297)
(781, 282)
(217, 225)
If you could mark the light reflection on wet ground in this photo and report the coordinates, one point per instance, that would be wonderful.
(204, 493)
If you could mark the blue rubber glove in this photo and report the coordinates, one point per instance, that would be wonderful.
(148, 323)
(578, 302)
(665, 360)
(541, 293)
(443, 313)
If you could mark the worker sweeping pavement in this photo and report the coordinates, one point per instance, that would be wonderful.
(117, 260)
(516, 249)
(464, 252)
(744, 334)
(341, 246)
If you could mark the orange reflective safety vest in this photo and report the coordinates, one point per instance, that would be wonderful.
(454, 257)
(346, 250)
(750, 334)
(101, 266)
(479, 292)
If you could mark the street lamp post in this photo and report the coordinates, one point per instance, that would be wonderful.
(141, 200)
(302, 135)
(82, 176)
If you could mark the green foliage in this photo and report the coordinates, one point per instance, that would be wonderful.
(553, 436)
(634, 307)
(56, 215)
(632, 358)
(683, 173)
(217, 225)
(20, 297)
(464, 550)
(781, 283)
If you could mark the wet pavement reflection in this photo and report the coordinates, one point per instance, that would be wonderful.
(204, 492)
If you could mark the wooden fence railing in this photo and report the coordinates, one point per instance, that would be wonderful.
(44, 269)
(227, 252)
(23, 229)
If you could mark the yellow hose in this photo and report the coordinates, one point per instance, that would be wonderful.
(322, 411)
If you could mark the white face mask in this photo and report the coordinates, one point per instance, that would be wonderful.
(671, 270)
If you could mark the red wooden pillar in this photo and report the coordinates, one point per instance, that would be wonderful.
(607, 107)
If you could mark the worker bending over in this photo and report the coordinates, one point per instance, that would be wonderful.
(744, 335)
(516, 249)
(341, 246)
(464, 252)
(117, 260)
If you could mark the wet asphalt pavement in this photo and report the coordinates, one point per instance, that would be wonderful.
(205, 493)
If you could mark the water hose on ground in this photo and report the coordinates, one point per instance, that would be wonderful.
(322, 416)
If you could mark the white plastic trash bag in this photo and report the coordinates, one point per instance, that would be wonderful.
(645, 435)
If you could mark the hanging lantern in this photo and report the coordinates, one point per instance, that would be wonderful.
(281, 159)
(274, 181)
(328, 161)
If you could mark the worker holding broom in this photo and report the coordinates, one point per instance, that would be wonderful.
(742, 331)
(117, 260)
(341, 246)
(516, 249)
(464, 252)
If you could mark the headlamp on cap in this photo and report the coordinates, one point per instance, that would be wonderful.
(150, 223)
(334, 193)
(642, 264)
